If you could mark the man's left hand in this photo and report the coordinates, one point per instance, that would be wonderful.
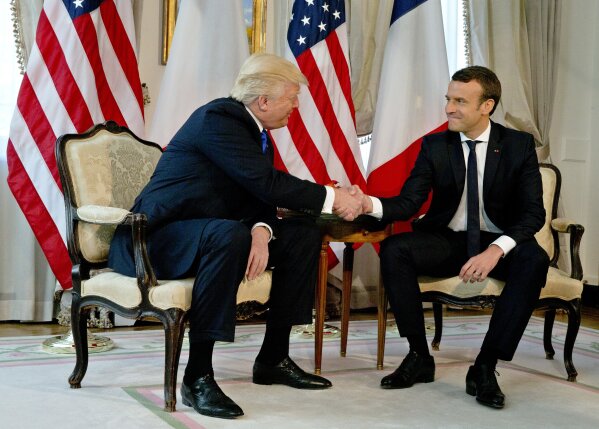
(477, 268)
(258, 253)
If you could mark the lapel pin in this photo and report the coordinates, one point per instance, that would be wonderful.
(496, 150)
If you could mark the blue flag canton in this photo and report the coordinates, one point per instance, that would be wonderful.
(401, 7)
(312, 21)
(76, 8)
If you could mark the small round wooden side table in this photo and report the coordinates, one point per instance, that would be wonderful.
(365, 229)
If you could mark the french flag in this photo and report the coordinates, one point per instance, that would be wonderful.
(411, 100)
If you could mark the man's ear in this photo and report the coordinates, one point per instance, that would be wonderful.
(488, 105)
(263, 103)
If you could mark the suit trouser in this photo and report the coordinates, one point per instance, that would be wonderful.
(220, 267)
(442, 254)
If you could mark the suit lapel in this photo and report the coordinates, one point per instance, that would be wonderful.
(492, 158)
(456, 158)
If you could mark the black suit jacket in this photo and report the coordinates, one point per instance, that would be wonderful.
(512, 188)
(212, 168)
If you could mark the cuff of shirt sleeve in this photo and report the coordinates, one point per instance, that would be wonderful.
(377, 208)
(256, 225)
(329, 200)
(505, 243)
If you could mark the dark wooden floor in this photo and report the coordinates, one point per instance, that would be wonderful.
(590, 319)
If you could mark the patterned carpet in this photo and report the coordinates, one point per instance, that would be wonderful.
(123, 387)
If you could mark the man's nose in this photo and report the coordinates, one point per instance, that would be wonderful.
(449, 107)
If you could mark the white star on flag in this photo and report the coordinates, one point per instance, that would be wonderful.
(325, 7)
(306, 20)
(322, 26)
(301, 40)
(310, 2)
(337, 14)
(77, 3)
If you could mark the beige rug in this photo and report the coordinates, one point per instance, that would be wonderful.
(123, 389)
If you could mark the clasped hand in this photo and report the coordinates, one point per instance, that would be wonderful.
(350, 202)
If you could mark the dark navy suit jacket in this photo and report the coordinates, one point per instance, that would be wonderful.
(213, 168)
(512, 188)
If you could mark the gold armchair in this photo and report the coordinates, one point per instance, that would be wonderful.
(562, 290)
(102, 171)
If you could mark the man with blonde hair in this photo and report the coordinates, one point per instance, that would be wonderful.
(211, 206)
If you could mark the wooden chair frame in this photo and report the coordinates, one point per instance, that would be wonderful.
(173, 319)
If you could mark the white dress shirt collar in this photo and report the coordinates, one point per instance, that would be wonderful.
(484, 137)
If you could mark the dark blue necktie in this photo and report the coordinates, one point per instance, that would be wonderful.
(264, 137)
(473, 219)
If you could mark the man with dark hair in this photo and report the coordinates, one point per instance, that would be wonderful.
(486, 207)
(212, 205)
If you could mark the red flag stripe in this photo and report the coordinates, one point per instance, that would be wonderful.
(124, 51)
(319, 92)
(307, 150)
(38, 124)
(339, 61)
(40, 175)
(42, 225)
(87, 33)
(61, 74)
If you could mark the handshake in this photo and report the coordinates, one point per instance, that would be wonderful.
(351, 202)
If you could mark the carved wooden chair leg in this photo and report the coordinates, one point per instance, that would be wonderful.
(438, 314)
(573, 312)
(174, 329)
(547, 331)
(79, 332)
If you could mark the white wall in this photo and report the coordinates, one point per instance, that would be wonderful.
(574, 135)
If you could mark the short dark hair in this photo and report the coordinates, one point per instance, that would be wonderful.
(486, 78)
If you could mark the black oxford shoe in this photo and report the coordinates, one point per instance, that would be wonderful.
(206, 398)
(482, 383)
(413, 369)
(289, 374)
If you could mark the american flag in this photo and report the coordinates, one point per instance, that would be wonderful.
(410, 103)
(82, 70)
(320, 141)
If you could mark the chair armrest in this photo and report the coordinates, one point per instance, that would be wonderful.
(575, 230)
(105, 215)
(102, 215)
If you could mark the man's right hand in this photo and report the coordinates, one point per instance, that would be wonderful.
(348, 202)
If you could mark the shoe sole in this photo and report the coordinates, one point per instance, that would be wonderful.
(189, 404)
(428, 378)
(471, 390)
(265, 382)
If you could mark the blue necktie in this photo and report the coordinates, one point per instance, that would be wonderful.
(264, 137)
(472, 219)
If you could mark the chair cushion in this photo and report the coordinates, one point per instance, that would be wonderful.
(124, 291)
(559, 285)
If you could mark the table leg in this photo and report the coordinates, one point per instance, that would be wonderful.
(321, 296)
(348, 267)
(382, 325)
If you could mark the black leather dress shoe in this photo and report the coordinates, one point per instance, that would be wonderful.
(288, 373)
(206, 398)
(482, 383)
(413, 369)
